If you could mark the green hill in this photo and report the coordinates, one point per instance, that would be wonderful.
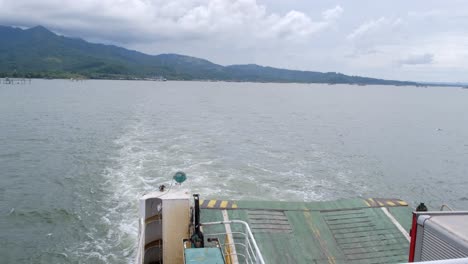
(38, 52)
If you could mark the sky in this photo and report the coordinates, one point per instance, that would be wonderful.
(392, 39)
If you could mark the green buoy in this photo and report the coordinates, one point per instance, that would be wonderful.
(180, 177)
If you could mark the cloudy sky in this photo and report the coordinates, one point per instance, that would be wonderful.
(420, 40)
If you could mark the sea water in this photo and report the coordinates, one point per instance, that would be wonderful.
(76, 156)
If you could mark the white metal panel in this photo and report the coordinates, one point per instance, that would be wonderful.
(176, 219)
(441, 236)
(435, 247)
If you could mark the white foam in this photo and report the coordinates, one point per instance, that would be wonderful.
(140, 165)
(148, 157)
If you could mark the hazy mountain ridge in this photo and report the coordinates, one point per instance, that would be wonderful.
(38, 52)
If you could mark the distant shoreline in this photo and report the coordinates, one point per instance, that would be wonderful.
(60, 57)
(26, 79)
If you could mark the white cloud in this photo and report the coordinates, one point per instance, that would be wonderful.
(293, 23)
(142, 20)
(374, 42)
(297, 24)
(373, 38)
(414, 59)
(333, 13)
(368, 27)
(425, 14)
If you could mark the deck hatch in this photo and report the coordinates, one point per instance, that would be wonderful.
(361, 238)
(266, 221)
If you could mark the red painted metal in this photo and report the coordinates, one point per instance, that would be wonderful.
(414, 226)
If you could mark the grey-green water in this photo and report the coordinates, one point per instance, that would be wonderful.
(75, 156)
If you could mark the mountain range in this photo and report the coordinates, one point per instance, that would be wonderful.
(40, 53)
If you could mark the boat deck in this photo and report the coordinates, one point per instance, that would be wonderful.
(342, 231)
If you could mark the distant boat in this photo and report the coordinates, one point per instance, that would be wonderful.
(9, 80)
(156, 79)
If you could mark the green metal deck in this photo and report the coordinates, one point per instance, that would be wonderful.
(203, 256)
(342, 231)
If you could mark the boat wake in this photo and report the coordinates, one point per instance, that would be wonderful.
(145, 159)
(149, 153)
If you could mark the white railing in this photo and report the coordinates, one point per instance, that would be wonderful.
(141, 244)
(237, 246)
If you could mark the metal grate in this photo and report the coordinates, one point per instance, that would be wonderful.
(264, 221)
(363, 240)
(434, 248)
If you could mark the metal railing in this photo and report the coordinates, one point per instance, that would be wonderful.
(445, 206)
(141, 243)
(238, 246)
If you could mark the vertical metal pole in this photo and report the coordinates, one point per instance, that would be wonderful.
(414, 226)
(196, 198)
(198, 232)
